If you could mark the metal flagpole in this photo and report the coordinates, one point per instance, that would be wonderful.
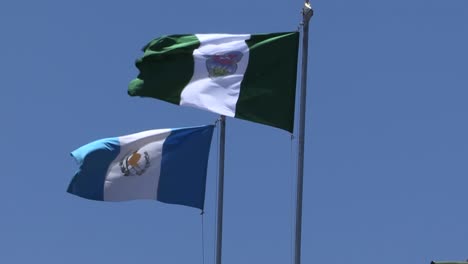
(219, 219)
(307, 13)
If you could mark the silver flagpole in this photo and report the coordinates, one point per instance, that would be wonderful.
(219, 219)
(307, 13)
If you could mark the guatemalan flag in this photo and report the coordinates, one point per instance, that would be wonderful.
(168, 165)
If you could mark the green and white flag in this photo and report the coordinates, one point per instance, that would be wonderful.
(252, 77)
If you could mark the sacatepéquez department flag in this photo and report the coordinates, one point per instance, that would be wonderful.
(252, 77)
(168, 165)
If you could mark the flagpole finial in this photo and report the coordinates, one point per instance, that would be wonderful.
(307, 11)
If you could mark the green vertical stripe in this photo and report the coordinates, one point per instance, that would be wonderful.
(267, 91)
(166, 68)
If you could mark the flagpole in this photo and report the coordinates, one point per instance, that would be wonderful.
(219, 219)
(307, 13)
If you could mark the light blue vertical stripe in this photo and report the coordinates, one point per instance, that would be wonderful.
(94, 160)
(184, 166)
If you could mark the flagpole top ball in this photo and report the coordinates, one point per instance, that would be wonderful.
(307, 11)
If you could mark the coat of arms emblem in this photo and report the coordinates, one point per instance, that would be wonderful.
(135, 163)
(220, 65)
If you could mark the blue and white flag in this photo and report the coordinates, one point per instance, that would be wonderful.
(168, 165)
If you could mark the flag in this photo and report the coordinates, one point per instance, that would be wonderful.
(252, 77)
(168, 165)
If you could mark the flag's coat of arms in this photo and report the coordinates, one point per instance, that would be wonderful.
(135, 163)
(221, 65)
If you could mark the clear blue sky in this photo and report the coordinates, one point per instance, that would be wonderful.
(386, 166)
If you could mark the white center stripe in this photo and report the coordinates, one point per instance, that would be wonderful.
(146, 145)
(220, 64)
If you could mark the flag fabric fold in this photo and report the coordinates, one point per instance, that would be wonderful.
(168, 165)
(251, 77)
